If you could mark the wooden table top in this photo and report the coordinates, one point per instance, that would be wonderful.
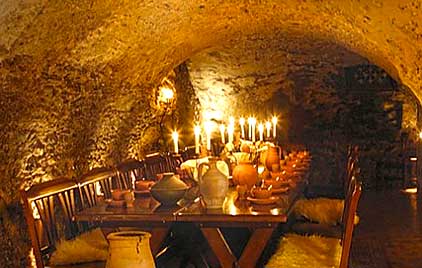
(147, 210)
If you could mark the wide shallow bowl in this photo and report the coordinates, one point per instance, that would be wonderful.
(168, 197)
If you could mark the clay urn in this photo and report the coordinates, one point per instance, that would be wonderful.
(273, 157)
(245, 174)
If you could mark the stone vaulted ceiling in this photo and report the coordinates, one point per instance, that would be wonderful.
(145, 39)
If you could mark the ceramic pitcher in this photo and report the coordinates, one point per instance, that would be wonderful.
(129, 249)
(273, 157)
(213, 184)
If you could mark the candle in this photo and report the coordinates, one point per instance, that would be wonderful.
(222, 133)
(274, 120)
(197, 131)
(250, 127)
(261, 131)
(253, 128)
(208, 131)
(242, 126)
(230, 131)
(175, 136)
(268, 127)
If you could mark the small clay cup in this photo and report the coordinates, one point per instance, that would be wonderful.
(261, 193)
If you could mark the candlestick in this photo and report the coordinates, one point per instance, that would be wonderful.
(274, 120)
(197, 131)
(261, 131)
(222, 133)
(268, 127)
(175, 136)
(242, 126)
(253, 128)
(208, 131)
(230, 131)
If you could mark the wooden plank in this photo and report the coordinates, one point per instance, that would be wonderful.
(255, 246)
(220, 247)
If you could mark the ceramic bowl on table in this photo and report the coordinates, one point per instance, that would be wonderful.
(118, 194)
(169, 189)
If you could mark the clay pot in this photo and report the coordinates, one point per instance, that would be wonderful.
(213, 185)
(169, 189)
(118, 194)
(245, 174)
(129, 250)
(273, 157)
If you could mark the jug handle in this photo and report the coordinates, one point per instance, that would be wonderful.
(200, 167)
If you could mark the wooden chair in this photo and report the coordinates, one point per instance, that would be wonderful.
(189, 153)
(303, 247)
(128, 171)
(44, 230)
(96, 185)
(173, 161)
(155, 164)
(307, 223)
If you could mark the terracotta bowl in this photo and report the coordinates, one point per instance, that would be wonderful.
(118, 194)
(143, 185)
(261, 193)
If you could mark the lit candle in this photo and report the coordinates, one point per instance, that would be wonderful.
(250, 127)
(222, 133)
(230, 131)
(175, 136)
(261, 131)
(208, 131)
(268, 127)
(253, 128)
(242, 126)
(274, 120)
(197, 131)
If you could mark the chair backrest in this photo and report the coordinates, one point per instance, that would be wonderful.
(348, 221)
(128, 171)
(351, 166)
(189, 153)
(154, 164)
(96, 185)
(49, 209)
(173, 161)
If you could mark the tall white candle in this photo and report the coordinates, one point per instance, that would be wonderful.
(274, 120)
(230, 132)
(242, 126)
(223, 133)
(268, 127)
(250, 120)
(197, 131)
(253, 129)
(261, 131)
(175, 136)
(208, 131)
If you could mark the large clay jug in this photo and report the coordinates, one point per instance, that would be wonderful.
(273, 157)
(129, 249)
(213, 184)
(245, 174)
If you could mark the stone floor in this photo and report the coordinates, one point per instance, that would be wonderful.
(389, 234)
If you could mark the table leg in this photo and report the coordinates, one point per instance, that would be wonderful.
(157, 238)
(255, 246)
(220, 247)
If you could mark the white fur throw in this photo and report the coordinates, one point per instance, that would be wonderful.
(295, 251)
(88, 247)
(321, 210)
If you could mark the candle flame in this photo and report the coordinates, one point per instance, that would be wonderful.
(261, 127)
(175, 135)
(274, 120)
(222, 128)
(268, 125)
(242, 121)
(231, 120)
(208, 126)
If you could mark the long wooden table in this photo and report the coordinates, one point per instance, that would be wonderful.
(148, 214)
